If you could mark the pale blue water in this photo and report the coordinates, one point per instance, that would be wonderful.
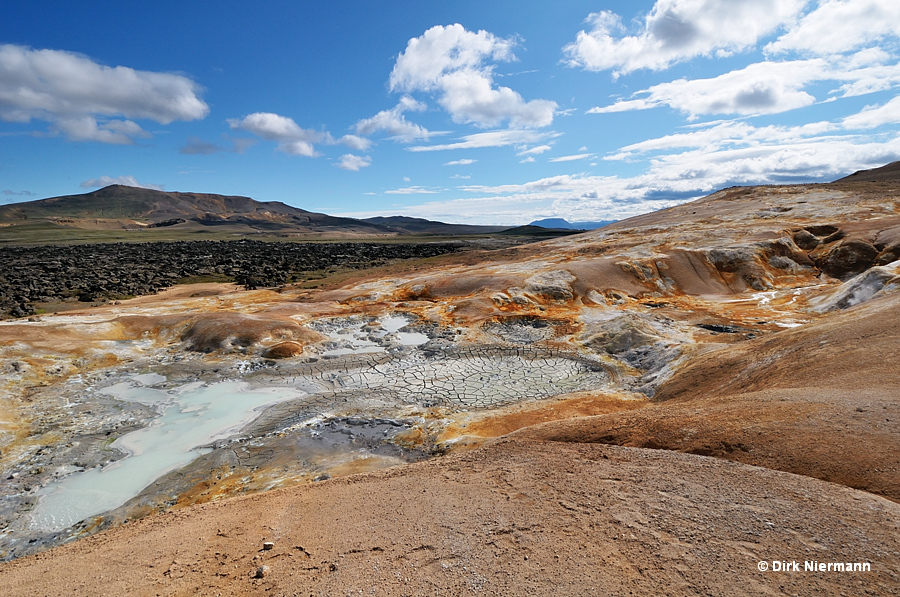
(193, 415)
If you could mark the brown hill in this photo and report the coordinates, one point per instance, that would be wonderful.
(883, 174)
(140, 207)
(119, 207)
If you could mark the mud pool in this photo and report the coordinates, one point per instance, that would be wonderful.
(374, 393)
(191, 416)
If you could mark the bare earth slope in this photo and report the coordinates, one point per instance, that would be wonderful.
(513, 518)
(819, 400)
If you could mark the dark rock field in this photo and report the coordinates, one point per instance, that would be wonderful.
(100, 272)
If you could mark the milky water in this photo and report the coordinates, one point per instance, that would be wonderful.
(393, 325)
(354, 338)
(192, 415)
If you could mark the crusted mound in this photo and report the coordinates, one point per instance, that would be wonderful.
(819, 400)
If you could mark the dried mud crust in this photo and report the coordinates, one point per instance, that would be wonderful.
(512, 518)
(415, 387)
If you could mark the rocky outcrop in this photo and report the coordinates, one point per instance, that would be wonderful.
(847, 258)
(874, 282)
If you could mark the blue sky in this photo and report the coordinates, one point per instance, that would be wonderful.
(480, 112)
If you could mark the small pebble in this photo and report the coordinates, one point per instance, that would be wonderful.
(262, 571)
(268, 545)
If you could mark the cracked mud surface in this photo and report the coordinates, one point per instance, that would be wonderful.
(738, 326)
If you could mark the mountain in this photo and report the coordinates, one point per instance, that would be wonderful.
(566, 225)
(131, 207)
(882, 174)
(110, 212)
(404, 224)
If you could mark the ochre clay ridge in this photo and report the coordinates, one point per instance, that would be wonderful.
(743, 411)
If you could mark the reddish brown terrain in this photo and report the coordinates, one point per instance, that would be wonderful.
(654, 407)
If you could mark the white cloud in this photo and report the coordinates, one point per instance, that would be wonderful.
(867, 79)
(128, 181)
(290, 137)
(761, 88)
(462, 162)
(87, 101)
(718, 135)
(789, 154)
(572, 158)
(677, 30)
(352, 162)
(527, 160)
(535, 150)
(489, 139)
(838, 26)
(873, 116)
(395, 123)
(354, 142)
(412, 191)
(566, 181)
(454, 63)
(87, 128)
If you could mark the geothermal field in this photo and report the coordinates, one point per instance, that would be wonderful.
(684, 402)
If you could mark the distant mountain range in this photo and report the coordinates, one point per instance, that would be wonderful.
(562, 224)
(123, 208)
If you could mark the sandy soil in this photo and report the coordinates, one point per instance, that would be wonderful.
(512, 518)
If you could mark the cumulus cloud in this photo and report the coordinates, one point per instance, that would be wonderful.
(352, 162)
(456, 65)
(462, 162)
(489, 139)
(128, 181)
(10, 192)
(354, 142)
(87, 101)
(761, 88)
(291, 138)
(839, 26)
(677, 30)
(394, 123)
